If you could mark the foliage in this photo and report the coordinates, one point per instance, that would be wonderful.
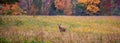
(14, 10)
(37, 4)
(91, 5)
(4, 40)
(64, 5)
(107, 7)
(27, 5)
(32, 7)
(89, 2)
(8, 1)
(46, 5)
(93, 8)
(8, 12)
(80, 9)
(116, 11)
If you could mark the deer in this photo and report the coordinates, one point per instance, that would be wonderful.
(61, 29)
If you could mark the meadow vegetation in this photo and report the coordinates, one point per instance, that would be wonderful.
(44, 29)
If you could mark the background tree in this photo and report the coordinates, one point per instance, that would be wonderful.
(46, 5)
(106, 7)
(75, 7)
(7, 6)
(28, 5)
(52, 8)
(116, 9)
(37, 4)
(63, 5)
(10, 2)
(91, 5)
(16, 9)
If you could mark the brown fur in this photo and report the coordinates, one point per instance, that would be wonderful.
(61, 28)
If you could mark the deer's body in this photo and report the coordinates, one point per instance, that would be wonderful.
(61, 28)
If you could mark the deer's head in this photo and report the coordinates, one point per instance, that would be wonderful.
(59, 24)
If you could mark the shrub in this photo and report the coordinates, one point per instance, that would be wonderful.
(3, 40)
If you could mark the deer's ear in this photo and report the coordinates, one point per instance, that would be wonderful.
(58, 24)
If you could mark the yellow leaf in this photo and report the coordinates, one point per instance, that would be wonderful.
(93, 8)
(82, 1)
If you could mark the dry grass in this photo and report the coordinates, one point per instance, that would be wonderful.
(43, 29)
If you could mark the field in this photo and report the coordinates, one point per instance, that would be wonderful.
(44, 29)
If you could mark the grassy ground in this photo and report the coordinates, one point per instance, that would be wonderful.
(44, 29)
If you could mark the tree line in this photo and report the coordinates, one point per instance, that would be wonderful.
(60, 7)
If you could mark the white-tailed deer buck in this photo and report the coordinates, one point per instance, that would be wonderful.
(61, 28)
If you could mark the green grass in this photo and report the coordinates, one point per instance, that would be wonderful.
(44, 29)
